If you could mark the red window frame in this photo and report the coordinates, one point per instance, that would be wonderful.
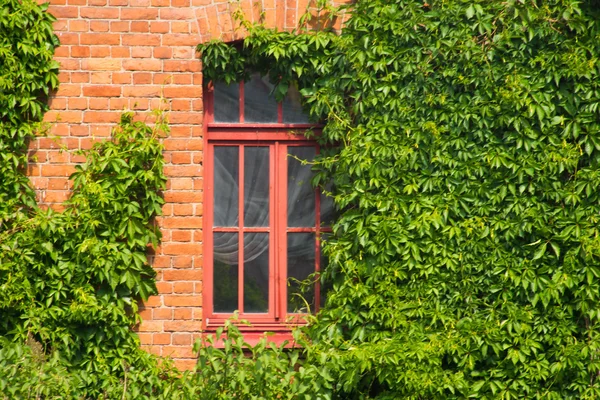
(278, 136)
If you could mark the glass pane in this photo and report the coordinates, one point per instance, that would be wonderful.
(227, 102)
(226, 180)
(225, 272)
(256, 272)
(259, 105)
(300, 264)
(301, 195)
(327, 209)
(256, 186)
(292, 107)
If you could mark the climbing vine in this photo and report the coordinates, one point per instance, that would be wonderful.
(464, 153)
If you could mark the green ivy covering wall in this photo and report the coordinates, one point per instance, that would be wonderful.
(466, 163)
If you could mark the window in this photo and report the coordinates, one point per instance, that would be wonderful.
(264, 222)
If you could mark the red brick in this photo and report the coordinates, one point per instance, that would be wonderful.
(182, 339)
(170, 14)
(182, 326)
(162, 52)
(182, 222)
(182, 66)
(181, 236)
(141, 52)
(164, 287)
(99, 12)
(179, 170)
(100, 51)
(141, 91)
(78, 25)
(63, 12)
(119, 26)
(162, 313)
(142, 78)
(161, 338)
(99, 26)
(57, 170)
(159, 27)
(101, 65)
(179, 39)
(100, 38)
(182, 313)
(181, 248)
(101, 91)
(121, 77)
(180, 27)
(80, 51)
(62, 51)
(77, 103)
(140, 26)
(142, 65)
(183, 287)
(184, 261)
(151, 326)
(99, 103)
(139, 14)
(68, 90)
(101, 78)
(181, 157)
(101, 117)
(120, 52)
(182, 274)
(185, 365)
(145, 338)
(181, 183)
(182, 92)
(58, 183)
(153, 301)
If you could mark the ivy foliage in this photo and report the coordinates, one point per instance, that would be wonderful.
(465, 156)
(27, 75)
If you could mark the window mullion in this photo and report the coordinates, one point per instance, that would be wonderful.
(241, 177)
(281, 231)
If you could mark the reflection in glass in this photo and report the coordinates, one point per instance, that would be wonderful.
(256, 186)
(227, 102)
(301, 195)
(292, 107)
(300, 264)
(225, 185)
(256, 272)
(225, 272)
(259, 105)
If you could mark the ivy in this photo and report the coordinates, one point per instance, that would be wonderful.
(464, 153)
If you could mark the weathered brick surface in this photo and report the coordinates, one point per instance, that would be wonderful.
(140, 55)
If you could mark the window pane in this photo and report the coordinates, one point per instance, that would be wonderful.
(256, 186)
(226, 180)
(301, 195)
(259, 105)
(300, 264)
(227, 102)
(256, 272)
(292, 107)
(225, 272)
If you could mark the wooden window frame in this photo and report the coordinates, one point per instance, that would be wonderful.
(278, 136)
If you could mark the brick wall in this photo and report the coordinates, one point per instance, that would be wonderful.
(139, 55)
